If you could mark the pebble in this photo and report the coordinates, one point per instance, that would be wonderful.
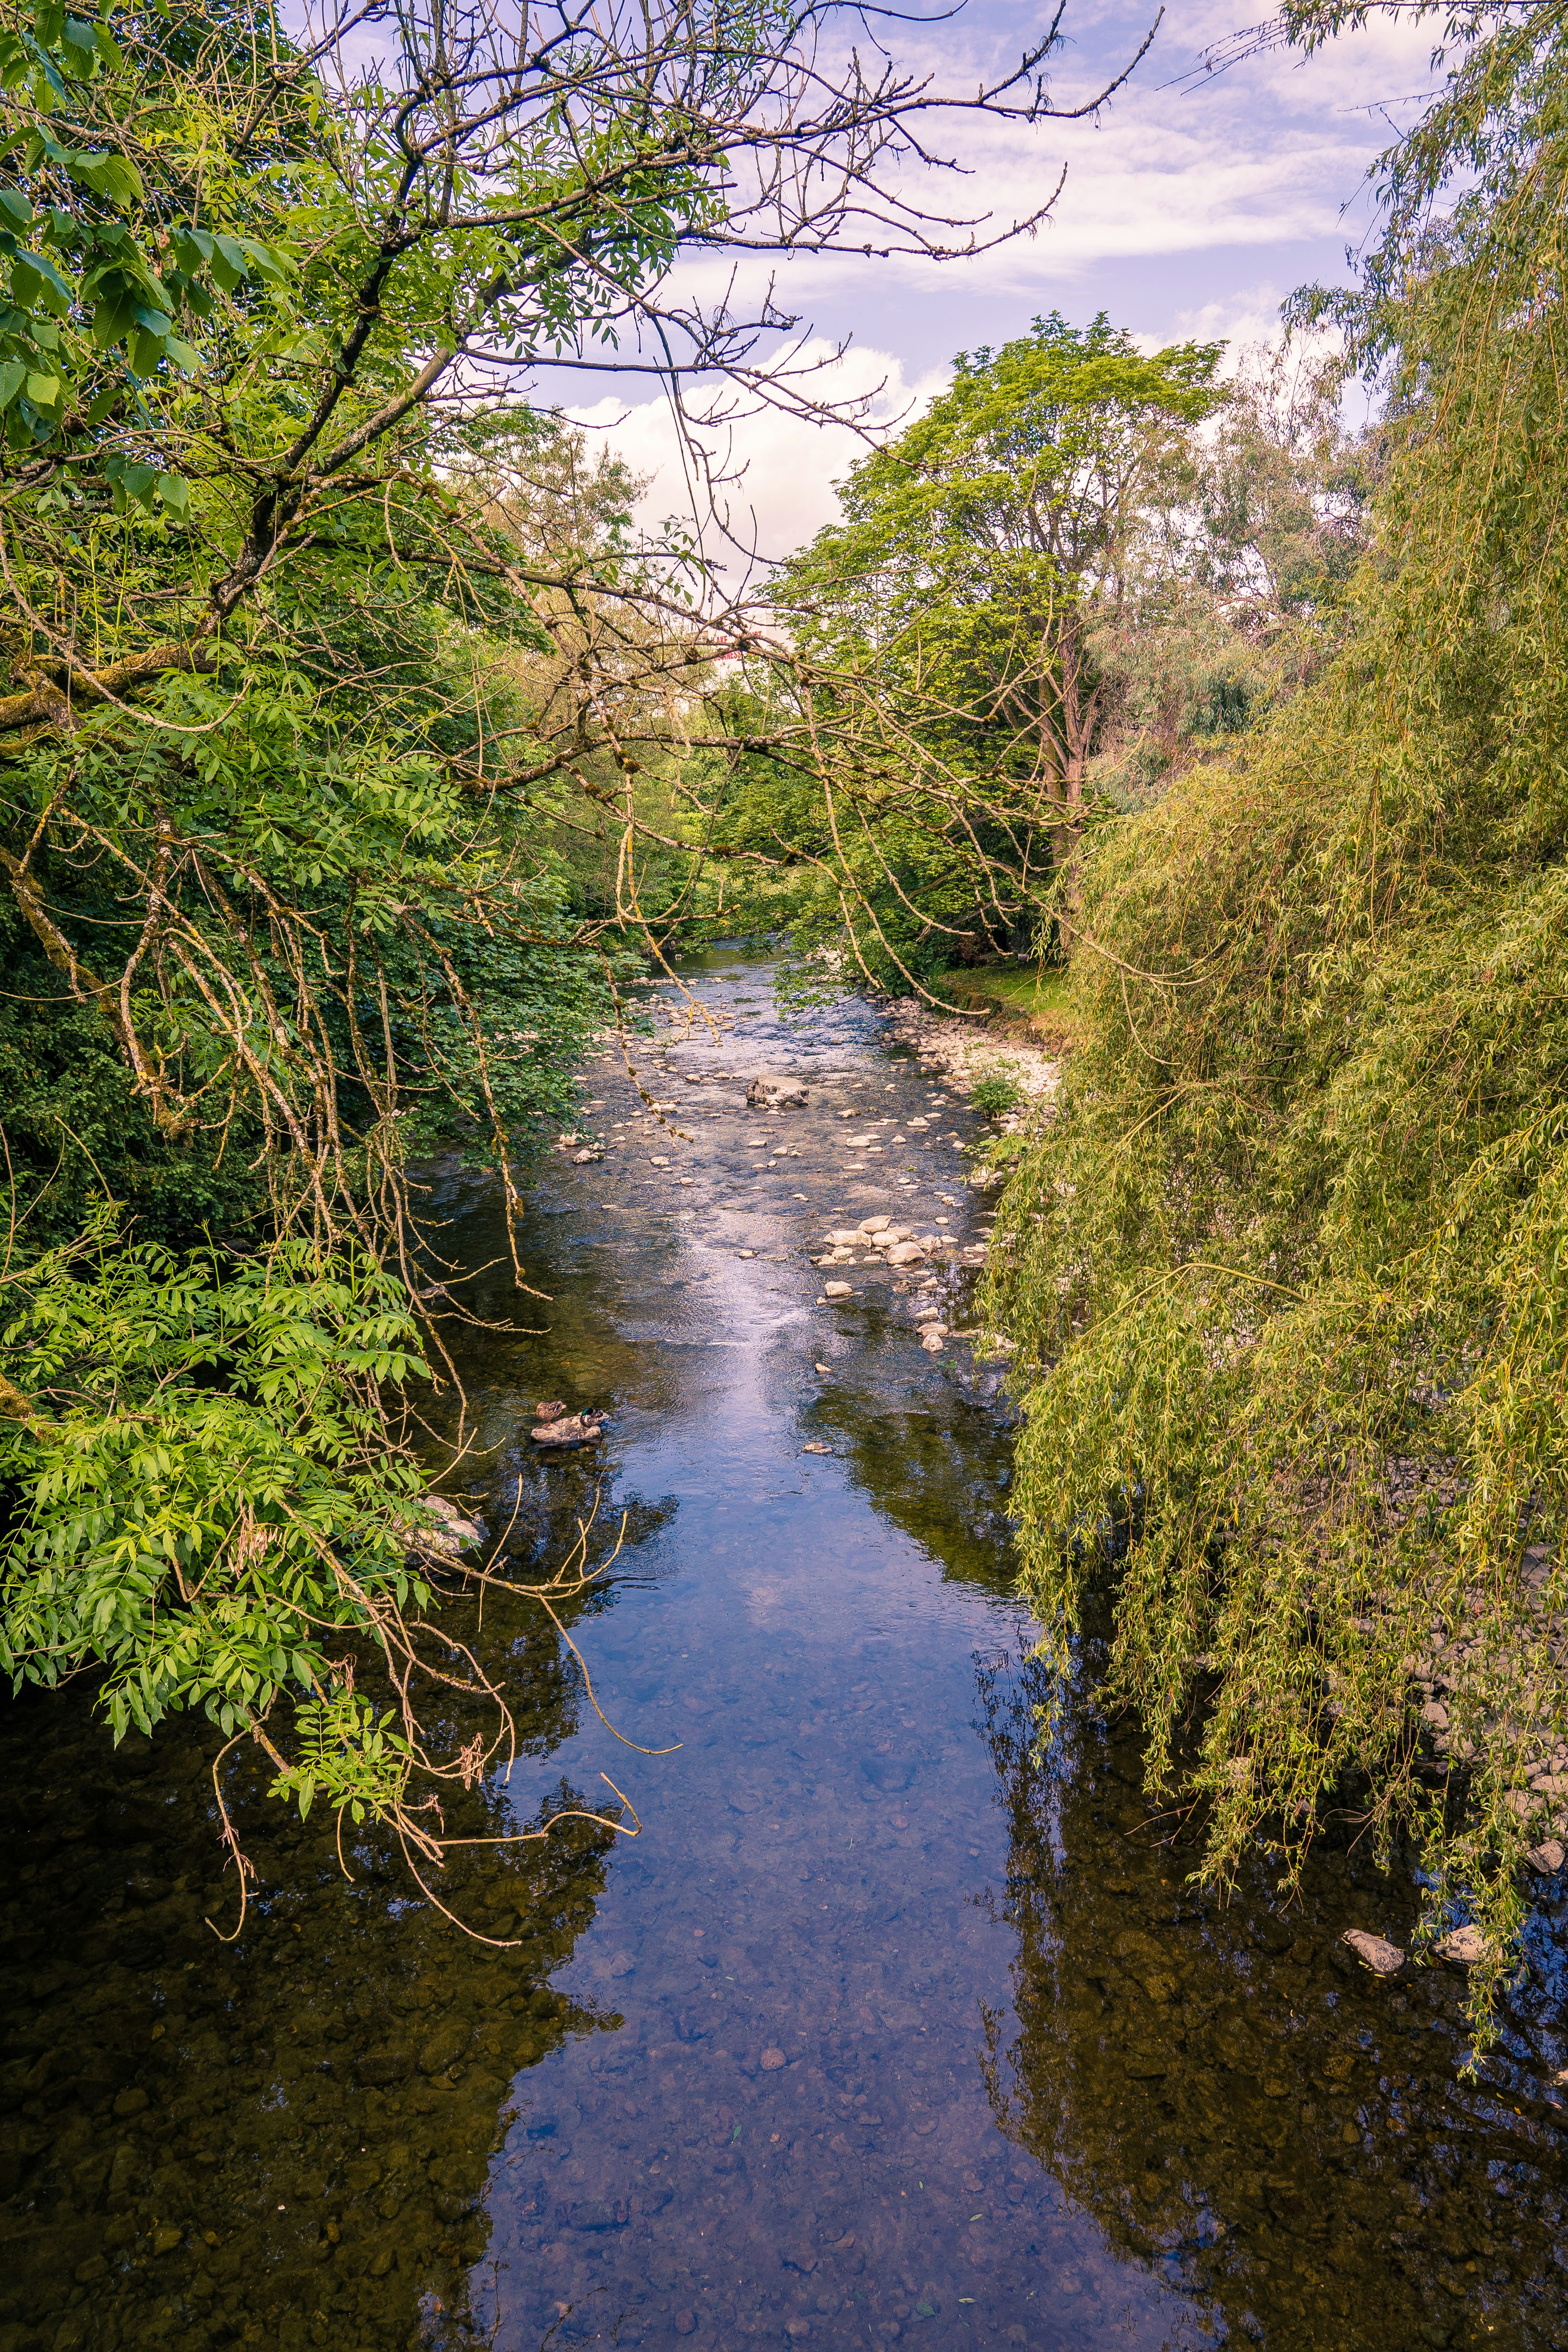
(835, 1289)
(1547, 1858)
(1464, 1945)
(771, 2061)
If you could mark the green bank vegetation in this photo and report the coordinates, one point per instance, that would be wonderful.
(1288, 1269)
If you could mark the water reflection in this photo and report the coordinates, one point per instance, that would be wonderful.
(1238, 2105)
(286, 2140)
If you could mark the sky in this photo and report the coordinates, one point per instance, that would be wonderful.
(1187, 211)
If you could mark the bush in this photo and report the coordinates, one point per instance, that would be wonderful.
(997, 1095)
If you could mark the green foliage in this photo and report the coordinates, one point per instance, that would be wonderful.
(1079, 571)
(1288, 1269)
(340, 708)
(980, 548)
(997, 1096)
(209, 1494)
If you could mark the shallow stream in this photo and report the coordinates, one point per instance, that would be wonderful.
(888, 2028)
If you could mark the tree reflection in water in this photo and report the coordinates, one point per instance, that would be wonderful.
(286, 2140)
(1236, 2103)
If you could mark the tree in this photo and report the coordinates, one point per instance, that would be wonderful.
(1237, 588)
(304, 692)
(985, 547)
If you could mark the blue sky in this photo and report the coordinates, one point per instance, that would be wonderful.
(1187, 211)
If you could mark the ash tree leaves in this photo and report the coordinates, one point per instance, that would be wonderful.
(210, 1498)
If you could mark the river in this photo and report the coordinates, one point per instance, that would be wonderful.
(890, 2026)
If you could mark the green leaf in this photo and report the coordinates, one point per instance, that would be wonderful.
(35, 278)
(17, 208)
(43, 390)
(113, 177)
(139, 482)
(227, 263)
(262, 257)
(13, 375)
(114, 317)
(79, 48)
(175, 493)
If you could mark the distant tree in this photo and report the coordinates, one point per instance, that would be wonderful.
(986, 544)
(1237, 588)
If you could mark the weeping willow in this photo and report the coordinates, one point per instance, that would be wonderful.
(1288, 1271)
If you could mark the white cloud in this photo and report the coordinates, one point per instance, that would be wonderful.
(778, 468)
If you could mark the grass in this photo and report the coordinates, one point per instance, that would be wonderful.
(1023, 1000)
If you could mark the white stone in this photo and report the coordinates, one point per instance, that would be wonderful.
(829, 1289)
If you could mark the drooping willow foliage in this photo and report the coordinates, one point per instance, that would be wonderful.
(1290, 1269)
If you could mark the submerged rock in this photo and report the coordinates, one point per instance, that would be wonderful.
(447, 1537)
(1385, 1959)
(768, 1091)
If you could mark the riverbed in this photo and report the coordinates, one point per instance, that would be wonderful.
(896, 2021)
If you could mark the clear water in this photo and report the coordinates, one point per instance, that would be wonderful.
(885, 2027)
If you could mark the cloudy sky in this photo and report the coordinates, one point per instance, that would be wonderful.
(1187, 211)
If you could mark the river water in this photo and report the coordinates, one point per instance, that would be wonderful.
(888, 2027)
